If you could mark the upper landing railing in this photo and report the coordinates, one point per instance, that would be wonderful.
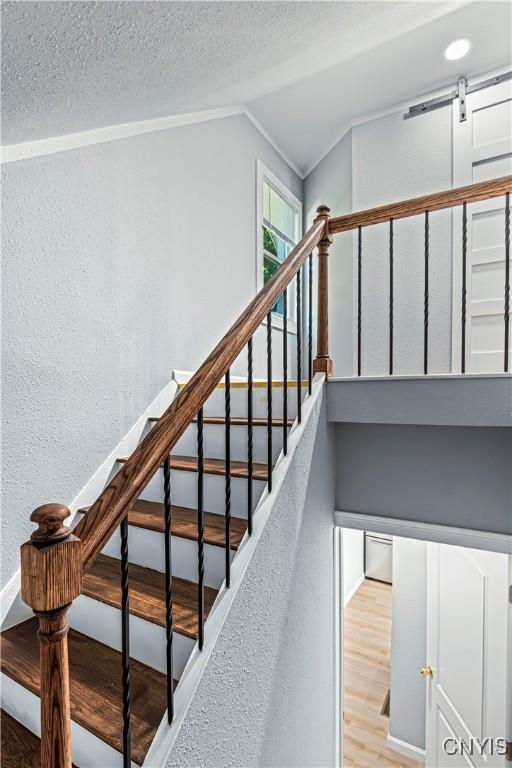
(54, 560)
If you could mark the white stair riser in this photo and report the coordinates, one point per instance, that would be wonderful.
(88, 750)
(184, 492)
(147, 640)
(146, 548)
(215, 405)
(215, 443)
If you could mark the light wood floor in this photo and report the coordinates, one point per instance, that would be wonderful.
(367, 658)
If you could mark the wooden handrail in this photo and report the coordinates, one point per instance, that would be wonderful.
(113, 504)
(447, 199)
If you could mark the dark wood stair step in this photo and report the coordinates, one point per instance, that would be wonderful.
(147, 594)
(216, 467)
(150, 515)
(95, 686)
(20, 747)
(236, 421)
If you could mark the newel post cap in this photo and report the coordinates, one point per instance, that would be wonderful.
(322, 214)
(51, 561)
(50, 521)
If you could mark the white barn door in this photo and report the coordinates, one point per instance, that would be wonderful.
(482, 149)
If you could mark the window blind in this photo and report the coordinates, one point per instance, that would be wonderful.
(278, 212)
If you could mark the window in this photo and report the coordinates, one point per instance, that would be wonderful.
(279, 230)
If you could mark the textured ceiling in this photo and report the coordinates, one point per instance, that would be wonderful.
(299, 66)
(70, 66)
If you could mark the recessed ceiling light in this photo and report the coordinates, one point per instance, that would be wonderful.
(457, 49)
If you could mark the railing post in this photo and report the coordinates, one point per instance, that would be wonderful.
(323, 363)
(51, 577)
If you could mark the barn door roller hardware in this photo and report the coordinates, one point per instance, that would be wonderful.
(461, 90)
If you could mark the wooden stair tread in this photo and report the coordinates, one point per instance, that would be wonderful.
(147, 594)
(150, 515)
(216, 467)
(20, 747)
(95, 686)
(236, 421)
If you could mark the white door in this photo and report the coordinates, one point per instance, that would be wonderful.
(467, 617)
(482, 149)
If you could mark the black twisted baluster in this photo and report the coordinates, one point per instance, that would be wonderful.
(227, 518)
(168, 590)
(125, 645)
(249, 436)
(200, 531)
(269, 400)
(391, 266)
(310, 322)
(425, 298)
(299, 348)
(359, 292)
(464, 259)
(507, 278)
(285, 373)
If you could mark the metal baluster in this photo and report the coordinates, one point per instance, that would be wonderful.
(249, 436)
(391, 265)
(125, 645)
(200, 531)
(359, 292)
(507, 278)
(269, 400)
(425, 299)
(299, 348)
(168, 590)
(463, 312)
(285, 373)
(310, 322)
(227, 519)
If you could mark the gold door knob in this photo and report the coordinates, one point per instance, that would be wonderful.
(427, 671)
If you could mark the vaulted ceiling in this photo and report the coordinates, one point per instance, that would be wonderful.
(305, 69)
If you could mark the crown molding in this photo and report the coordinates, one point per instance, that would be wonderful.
(11, 153)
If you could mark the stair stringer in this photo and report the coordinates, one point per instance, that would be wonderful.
(244, 631)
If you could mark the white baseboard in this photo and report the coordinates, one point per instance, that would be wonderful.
(353, 590)
(442, 534)
(12, 609)
(406, 749)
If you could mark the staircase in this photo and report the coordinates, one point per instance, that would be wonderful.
(95, 660)
(150, 559)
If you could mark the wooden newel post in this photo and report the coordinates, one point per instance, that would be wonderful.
(51, 577)
(322, 362)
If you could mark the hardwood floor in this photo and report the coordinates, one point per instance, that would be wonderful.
(367, 659)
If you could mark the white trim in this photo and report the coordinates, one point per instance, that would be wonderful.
(444, 534)
(54, 144)
(338, 647)
(10, 153)
(406, 749)
(264, 173)
(355, 587)
(397, 107)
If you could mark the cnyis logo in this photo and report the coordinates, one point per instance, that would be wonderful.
(484, 747)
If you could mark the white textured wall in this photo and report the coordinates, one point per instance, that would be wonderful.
(383, 161)
(408, 641)
(330, 183)
(266, 696)
(121, 261)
